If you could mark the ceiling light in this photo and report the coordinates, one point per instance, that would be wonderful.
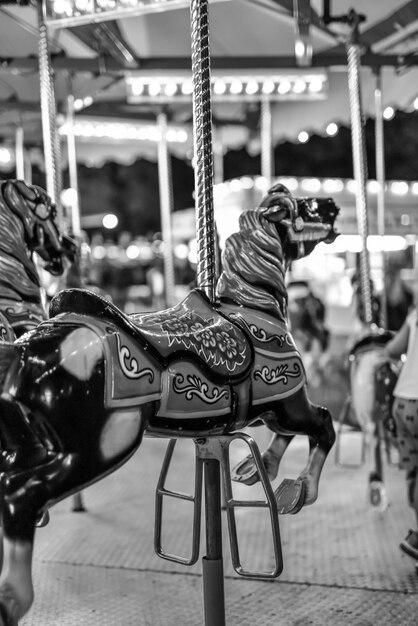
(332, 129)
(284, 87)
(299, 86)
(268, 87)
(110, 221)
(251, 87)
(235, 87)
(388, 113)
(145, 87)
(303, 136)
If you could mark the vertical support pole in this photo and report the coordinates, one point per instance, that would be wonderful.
(218, 156)
(28, 167)
(380, 176)
(359, 162)
(78, 502)
(212, 563)
(166, 207)
(48, 113)
(20, 153)
(72, 167)
(213, 577)
(267, 161)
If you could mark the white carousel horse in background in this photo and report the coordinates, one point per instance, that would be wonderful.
(373, 376)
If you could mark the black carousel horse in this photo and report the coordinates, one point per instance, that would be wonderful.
(79, 391)
(27, 226)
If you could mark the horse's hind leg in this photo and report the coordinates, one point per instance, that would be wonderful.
(297, 415)
(24, 494)
(246, 471)
(321, 440)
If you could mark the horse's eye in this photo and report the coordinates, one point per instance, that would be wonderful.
(42, 211)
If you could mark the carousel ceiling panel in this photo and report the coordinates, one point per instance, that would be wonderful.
(91, 61)
(237, 28)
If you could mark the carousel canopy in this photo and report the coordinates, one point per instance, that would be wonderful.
(126, 61)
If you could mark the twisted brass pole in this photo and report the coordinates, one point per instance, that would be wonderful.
(203, 152)
(381, 177)
(359, 165)
(48, 111)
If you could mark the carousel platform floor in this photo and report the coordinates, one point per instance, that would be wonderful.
(342, 563)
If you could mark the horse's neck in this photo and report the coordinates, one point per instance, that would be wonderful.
(19, 279)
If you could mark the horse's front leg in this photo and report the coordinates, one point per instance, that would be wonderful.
(16, 585)
(24, 496)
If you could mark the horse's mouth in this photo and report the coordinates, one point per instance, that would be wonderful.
(313, 231)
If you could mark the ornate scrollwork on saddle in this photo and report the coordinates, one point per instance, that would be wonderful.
(193, 327)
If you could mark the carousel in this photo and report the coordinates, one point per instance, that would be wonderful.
(86, 386)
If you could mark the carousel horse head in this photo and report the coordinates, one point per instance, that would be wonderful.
(78, 392)
(28, 227)
(281, 230)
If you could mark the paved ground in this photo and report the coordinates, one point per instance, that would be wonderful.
(342, 564)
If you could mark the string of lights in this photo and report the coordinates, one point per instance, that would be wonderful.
(309, 85)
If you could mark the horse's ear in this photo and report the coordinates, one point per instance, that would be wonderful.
(25, 190)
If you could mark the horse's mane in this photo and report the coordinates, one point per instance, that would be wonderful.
(19, 278)
(253, 266)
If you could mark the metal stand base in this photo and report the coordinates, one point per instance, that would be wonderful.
(213, 591)
(212, 453)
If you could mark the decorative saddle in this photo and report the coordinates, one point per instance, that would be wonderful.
(193, 328)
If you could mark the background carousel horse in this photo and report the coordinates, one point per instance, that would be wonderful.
(80, 390)
(373, 376)
(368, 407)
(27, 226)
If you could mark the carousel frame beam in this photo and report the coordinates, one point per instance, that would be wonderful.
(108, 65)
(106, 38)
(288, 6)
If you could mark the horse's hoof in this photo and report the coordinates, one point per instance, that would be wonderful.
(43, 519)
(377, 495)
(5, 618)
(290, 496)
(245, 471)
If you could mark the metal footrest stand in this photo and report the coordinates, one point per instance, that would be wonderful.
(342, 419)
(196, 498)
(212, 453)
